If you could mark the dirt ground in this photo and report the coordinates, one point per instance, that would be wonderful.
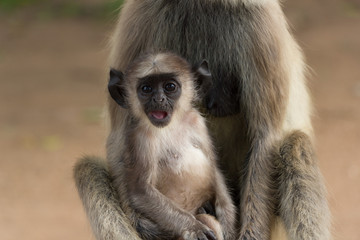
(52, 92)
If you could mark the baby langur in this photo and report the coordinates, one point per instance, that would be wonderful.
(166, 173)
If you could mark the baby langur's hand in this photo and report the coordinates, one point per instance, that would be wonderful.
(198, 231)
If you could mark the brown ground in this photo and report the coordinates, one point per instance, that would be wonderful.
(52, 93)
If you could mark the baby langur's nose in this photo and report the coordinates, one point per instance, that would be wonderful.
(159, 98)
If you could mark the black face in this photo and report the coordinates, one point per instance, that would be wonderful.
(158, 94)
(223, 98)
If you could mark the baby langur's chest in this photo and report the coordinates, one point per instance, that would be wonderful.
(186, 177)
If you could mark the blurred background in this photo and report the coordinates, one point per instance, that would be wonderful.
(52, 95)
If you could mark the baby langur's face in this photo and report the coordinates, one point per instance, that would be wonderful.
(163, 86)
(158, 94)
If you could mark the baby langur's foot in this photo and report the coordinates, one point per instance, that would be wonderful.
(212, 223)
(199, 231)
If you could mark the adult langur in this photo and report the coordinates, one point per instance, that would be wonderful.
(258, 111)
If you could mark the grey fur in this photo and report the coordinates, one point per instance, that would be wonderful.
(165, 174)
(247, 43)
(92, 176)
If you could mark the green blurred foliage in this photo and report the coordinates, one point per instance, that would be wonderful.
(14, 4)
(46, 9)
(351, 9)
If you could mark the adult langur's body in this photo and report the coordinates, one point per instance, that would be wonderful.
(259, 112)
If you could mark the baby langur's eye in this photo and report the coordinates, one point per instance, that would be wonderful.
(170, 87)
(146, 89)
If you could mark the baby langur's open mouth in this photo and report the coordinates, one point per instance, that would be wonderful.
(159, 118)
(159, 114)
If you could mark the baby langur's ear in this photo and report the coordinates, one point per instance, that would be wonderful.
(203, 78)
(116, 87)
